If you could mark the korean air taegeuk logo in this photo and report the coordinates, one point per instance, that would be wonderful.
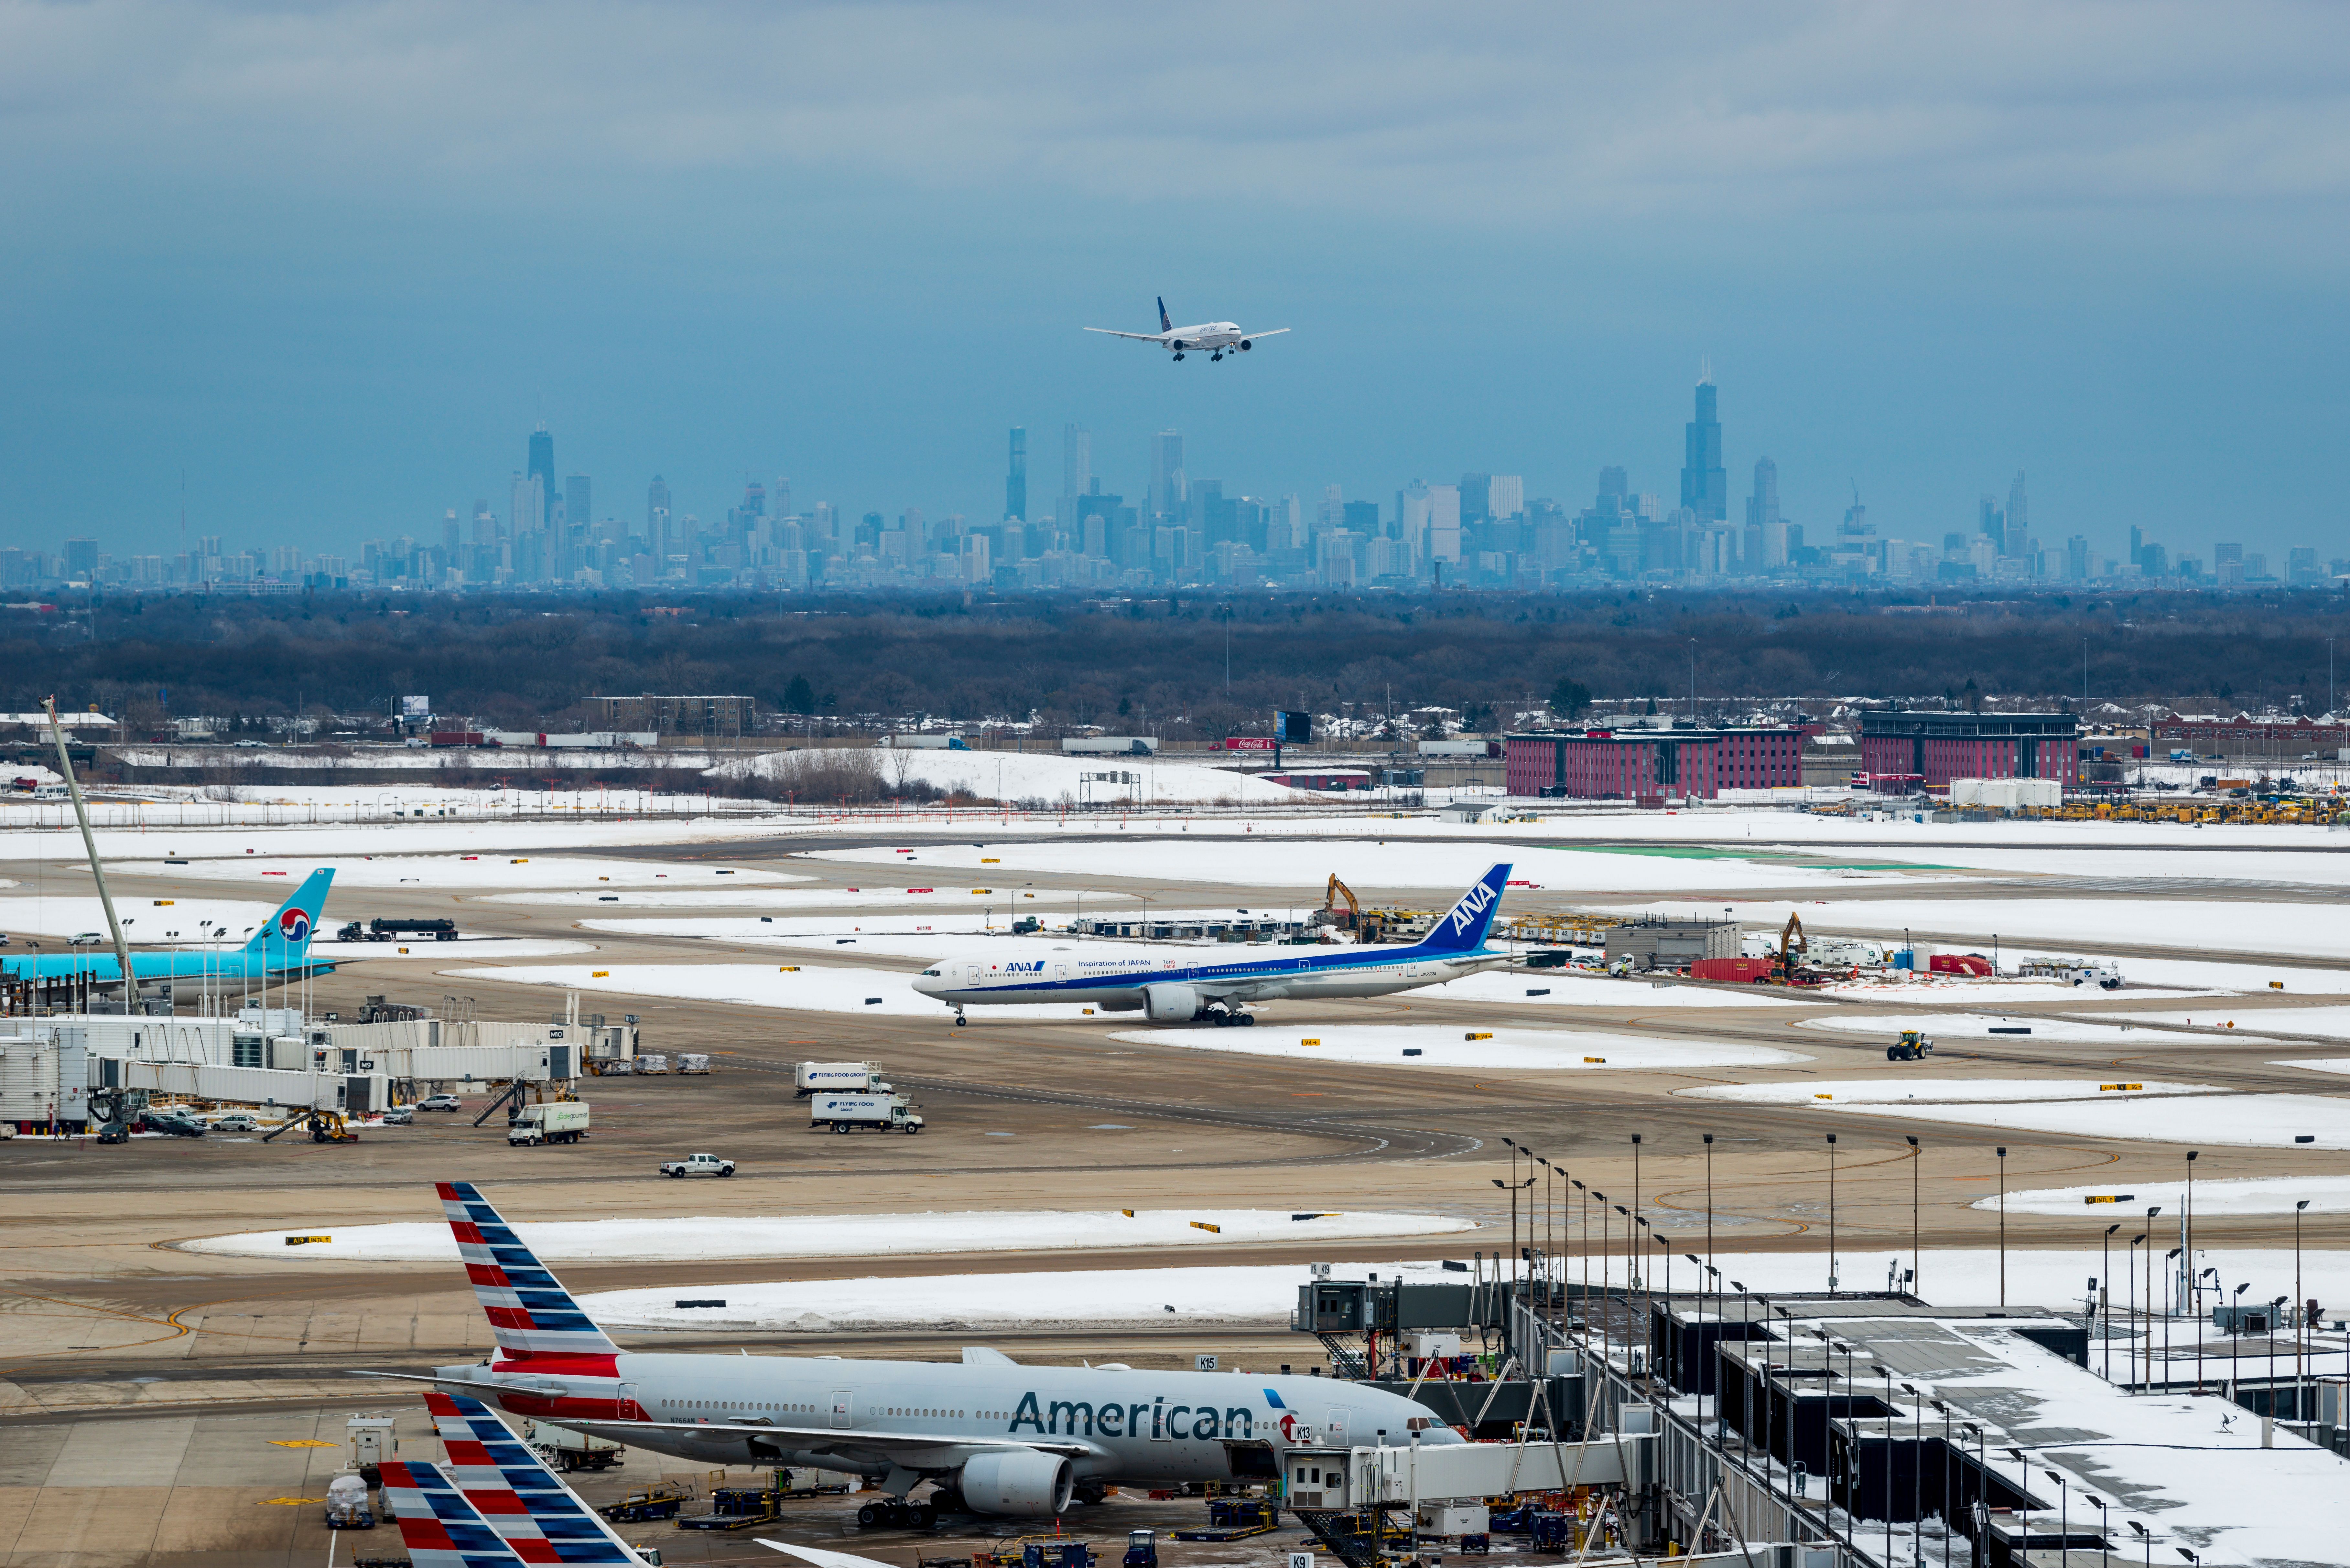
(294, 926)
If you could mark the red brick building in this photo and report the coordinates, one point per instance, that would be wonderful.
(1940, 747)
(1648, 764)
(2207, 734)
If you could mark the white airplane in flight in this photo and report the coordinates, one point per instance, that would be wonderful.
(1218, 338)
(1169, 991)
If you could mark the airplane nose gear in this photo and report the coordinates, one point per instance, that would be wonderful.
(961, 1021)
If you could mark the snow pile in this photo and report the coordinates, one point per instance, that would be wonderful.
(2261, 1195)
(1445, 1046)
(2250, 1121)
(631, 1240)
(1875, 1092)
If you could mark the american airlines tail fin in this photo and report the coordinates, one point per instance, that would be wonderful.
(1165, 324)
(440, 1525)
(536, 1515)
(1463, 927)
(533, 1317)
(283, 940)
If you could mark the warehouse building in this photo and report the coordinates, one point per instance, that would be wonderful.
(1650, 763)
(1936, 748)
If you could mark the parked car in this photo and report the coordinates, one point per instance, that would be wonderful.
(86, 940)
(179, 1124)
(236, 1121)
(440, 1103)
(400, 1117)
(114, 1132)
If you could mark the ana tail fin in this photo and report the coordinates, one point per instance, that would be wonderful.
(1164, 324)
(284, 939)
(1464, 928)
(530, 1313)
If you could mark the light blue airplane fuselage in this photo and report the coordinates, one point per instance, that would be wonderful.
(279, 948)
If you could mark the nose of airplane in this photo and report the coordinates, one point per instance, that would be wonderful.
(926, 983)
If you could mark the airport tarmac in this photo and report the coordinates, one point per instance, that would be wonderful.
(109, 1327)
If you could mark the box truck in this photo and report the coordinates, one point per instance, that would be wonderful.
(854, 1113)
(839, 1077)
(556, 1121)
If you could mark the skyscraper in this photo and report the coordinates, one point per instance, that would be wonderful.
(1475, 491)
(1505, 496)
(1167, 487)
(1016, 483)
(1705, 486)
(577, 508)
(1765, 542)
(542, 468)
(657, 516)
(2019, 520)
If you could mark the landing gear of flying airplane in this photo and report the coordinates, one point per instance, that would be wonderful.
(1178, 354)
(1214, 359)
(890, 1514)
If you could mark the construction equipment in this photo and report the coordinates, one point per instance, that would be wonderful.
(1913, 1046)
(1791, 944)
(324, 1126)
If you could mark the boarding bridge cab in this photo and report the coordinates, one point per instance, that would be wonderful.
(556, 1121)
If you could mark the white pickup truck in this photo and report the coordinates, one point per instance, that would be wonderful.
(698, 1165)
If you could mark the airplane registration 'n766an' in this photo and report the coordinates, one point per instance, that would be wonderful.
(1215, 338)
(1166, 989)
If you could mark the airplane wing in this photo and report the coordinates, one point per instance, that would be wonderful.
(914, 1450)
(820, 1557)
(1140, 336)
(1274, 333)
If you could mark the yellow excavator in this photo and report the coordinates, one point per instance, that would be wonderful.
(1367, 928)
(1793, 949)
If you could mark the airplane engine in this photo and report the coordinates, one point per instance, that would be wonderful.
(1171, 1003)
(1023, 1482)
(1244, 343)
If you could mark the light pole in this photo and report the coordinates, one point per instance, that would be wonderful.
(1709, 1205)
(2133, 1312)
(2105, 1299)
(2063, 1516)
(2105, 1545)
(1631, 1249)
(2003, 1224)
(2299, 1302)
(2235, 1332)
(1917, 1282)
(2187, 1244)
(1832, 1215)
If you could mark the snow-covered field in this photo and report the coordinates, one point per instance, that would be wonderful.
(810, 989)
(1948, 990)
(2218, 926)
(2248, 1121)
(1567, 990)
(1267, 1293)
(144, 920)
(464, 873)
(2319, 1063)
(630, 1239)
(1979, 1026)
(1048, 776)
(1447, 1046)
(2331, 1023)
(2253, 1195)
(462, 949)
(1871, 1092)
(1375, 863)
(757, 897)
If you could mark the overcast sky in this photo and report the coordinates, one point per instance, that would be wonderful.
(334, 263)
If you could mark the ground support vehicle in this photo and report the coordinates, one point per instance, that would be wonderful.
(1236, 1519)
(566, 1449)
(693, 1061)
(1913, 1046)
(380, 930)
(646, 1503)
(737, 1507)
(852, 1113)
(837, 1077)
(553, 1121)
(346, 1504)
(698, 1165)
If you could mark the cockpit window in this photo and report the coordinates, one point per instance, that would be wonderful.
(929, 974)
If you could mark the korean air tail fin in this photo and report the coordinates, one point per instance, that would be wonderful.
(1164, 324)
(284, 939)
(1463, 927)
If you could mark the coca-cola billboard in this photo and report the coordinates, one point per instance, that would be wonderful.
(1248, 744)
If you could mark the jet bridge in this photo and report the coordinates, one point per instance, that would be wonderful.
(1344, 1480)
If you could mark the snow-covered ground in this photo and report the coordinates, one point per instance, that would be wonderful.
(283, 833)
(145, 922)
(631, 1240)
(1381, 863)
(2216, 926)
(1960, 990)
(1448, 1046)
(1566, 990)
(1267, 1293)
(1979, 1026)
(464, 873)
(1934, 1091)
(462, 949)
(1050, 777)
(809, 988)
(2331, 1023)
(2319, 1063)
(2251, 1194)
(757, 897)
(2248, 1121)
(974, 919)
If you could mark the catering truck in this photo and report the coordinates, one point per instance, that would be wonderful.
(554, 1121)
(840, 1077)
(853, 1113)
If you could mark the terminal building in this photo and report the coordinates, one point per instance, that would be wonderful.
(1933, 749)
(1650, 764)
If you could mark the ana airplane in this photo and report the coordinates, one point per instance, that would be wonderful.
(279, 948)
(992, 1436)
(1218, 338)
(1169, 991)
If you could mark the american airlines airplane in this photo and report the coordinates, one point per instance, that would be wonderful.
(1169, 991)
(992, 1436)
(1218, 338)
